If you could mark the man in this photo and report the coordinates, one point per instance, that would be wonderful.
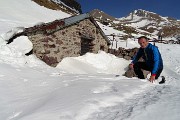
(152, 60)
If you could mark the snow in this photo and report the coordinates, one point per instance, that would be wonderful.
(25, 13)
(141, 24)
(96, 63)
(12, 32)
(79, 88)
(109, 30)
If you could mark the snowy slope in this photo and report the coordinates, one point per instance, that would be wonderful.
(79, 88)
(24, 13)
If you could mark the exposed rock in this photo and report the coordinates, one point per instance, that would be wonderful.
(68, 6)
(52, 61)
(124, 53)
(130, 73)
(103, 17)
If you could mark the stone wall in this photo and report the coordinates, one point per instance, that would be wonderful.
(66, 42)
(127, 54)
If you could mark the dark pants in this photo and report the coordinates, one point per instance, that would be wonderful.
(142, 65)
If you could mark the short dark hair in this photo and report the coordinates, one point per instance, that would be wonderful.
(143, 37)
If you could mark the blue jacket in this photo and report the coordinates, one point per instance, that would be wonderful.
(152, 57)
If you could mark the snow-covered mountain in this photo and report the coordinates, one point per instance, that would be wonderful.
(152, 22)
(142, 22)
(137, 22)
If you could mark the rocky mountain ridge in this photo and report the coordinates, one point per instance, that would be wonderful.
(141, 22)
(69, 6)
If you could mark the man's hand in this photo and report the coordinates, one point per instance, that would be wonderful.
(131, 66)
(152, 78)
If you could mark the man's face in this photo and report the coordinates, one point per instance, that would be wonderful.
(143, 42)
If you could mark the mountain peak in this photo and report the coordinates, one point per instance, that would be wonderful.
(98, 14)
(145, 14)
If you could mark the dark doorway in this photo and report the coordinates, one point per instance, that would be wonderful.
(102, 47)
(86, 45)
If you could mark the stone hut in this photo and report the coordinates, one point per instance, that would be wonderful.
(69, 37)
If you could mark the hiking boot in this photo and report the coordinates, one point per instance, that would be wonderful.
(163, 80)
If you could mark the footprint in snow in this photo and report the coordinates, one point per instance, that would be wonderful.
(18, 69)
(104, 89)
(55, 74)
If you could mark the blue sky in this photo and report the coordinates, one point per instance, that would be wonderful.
(121, 8)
